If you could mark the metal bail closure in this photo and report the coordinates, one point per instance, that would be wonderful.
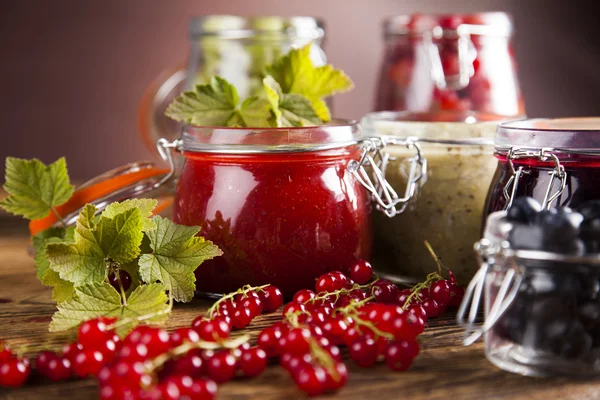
(492, 258)
(372, 157)
(467, 53)
(545, 154)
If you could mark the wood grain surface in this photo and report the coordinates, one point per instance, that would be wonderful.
(444, 370)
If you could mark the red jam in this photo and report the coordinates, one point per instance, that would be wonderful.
(407, 76)
(280, 218)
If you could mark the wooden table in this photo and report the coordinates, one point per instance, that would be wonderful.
(444, 370)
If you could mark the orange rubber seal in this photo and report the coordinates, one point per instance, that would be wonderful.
(92, 192)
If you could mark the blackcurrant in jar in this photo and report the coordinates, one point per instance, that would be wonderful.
(453, 62)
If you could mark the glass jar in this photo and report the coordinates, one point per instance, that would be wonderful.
(449, 62)
(446, 206)
(542, 313)
(281, 203)
(552, 160)
(236, 48)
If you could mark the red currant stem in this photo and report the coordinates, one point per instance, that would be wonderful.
(187, 346)
(432, 277)
(353, 315)
(324, 358)
(243, 291)
(121, 288)
(127, 321)
(337, 293)
(437, 260)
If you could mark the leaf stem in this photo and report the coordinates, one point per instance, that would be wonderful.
(57, 215)
(122, 289)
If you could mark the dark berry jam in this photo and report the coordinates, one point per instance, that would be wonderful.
(449, 62)
(583, 176)
(282, 218)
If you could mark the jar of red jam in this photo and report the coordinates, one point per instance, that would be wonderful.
(449, 62)
(555, 161)
(282, 203)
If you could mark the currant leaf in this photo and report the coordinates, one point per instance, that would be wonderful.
(34, 188)
(289, 109)
(177, 252)
(146, 207)
(101, 299)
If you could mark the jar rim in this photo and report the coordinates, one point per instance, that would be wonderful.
(240, 27)
(491, 23)
(235, 140)
(576, 133)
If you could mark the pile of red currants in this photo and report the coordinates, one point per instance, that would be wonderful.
(372, 317)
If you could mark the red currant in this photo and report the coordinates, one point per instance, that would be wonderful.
(402, 296)
(70, 350)
(361, 272)
(94, 332)
(295, 341)
(456, 295)
(418, 310)
(440, 292)
(43, 359)
(88, 362)
(241, 318)
(396, 358)
(253, 362)
(431, 307)
(272, 298)
(58, 369)
(384, 291)
(293, 308)
(212, 330)
(181, 335)
(268, 340)
(14, 372)
(202, 389)
(335, 382)
(221, 367)
(5, 352)
(451, 278)
(250, 301)
(304, 295)
(363, 352)
(310, 379)
(156, 340)
(330, 282)
(133, 352)
(292, 363)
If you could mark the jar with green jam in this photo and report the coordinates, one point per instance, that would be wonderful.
(442, 204)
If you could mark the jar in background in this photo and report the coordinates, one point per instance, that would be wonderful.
(449, 62)
(446, 206)
(281, 203)
(555, 161)
(541, 308)
(234, 47)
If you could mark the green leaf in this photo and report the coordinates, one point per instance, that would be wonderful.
(62, 290)
(211, 105)
(101, 299)
(145, 205)
(83, 261)
(296, 73)
(255, 112)
(120, 237)
(289, 109)
(177, 252)
(35, 188)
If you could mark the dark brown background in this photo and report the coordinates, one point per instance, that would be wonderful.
(72, 71)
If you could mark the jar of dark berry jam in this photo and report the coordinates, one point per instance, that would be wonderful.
(542, 313)
(449, 62)
(282, 203)
(555, 161)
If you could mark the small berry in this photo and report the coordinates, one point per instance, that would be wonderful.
(396, 358)
(212, 330)
(14, 372)
(253, 362)
(304, 295)
(440, 292)
(310, 379)
(330, 282)
(88, 362)
(94, 331)
(181, 335)
(363, 352)
(241, 318)
(361, 272)
(221, 367)
(272, 298)
(58, 369)
(125, 280)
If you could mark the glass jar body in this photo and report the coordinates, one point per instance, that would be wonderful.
(281, 219)
(421, 72)
(547, 329)
(446, 212)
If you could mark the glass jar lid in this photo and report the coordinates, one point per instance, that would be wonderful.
(238, 27)
(450, 25)
(336, 134)
(570, 135)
